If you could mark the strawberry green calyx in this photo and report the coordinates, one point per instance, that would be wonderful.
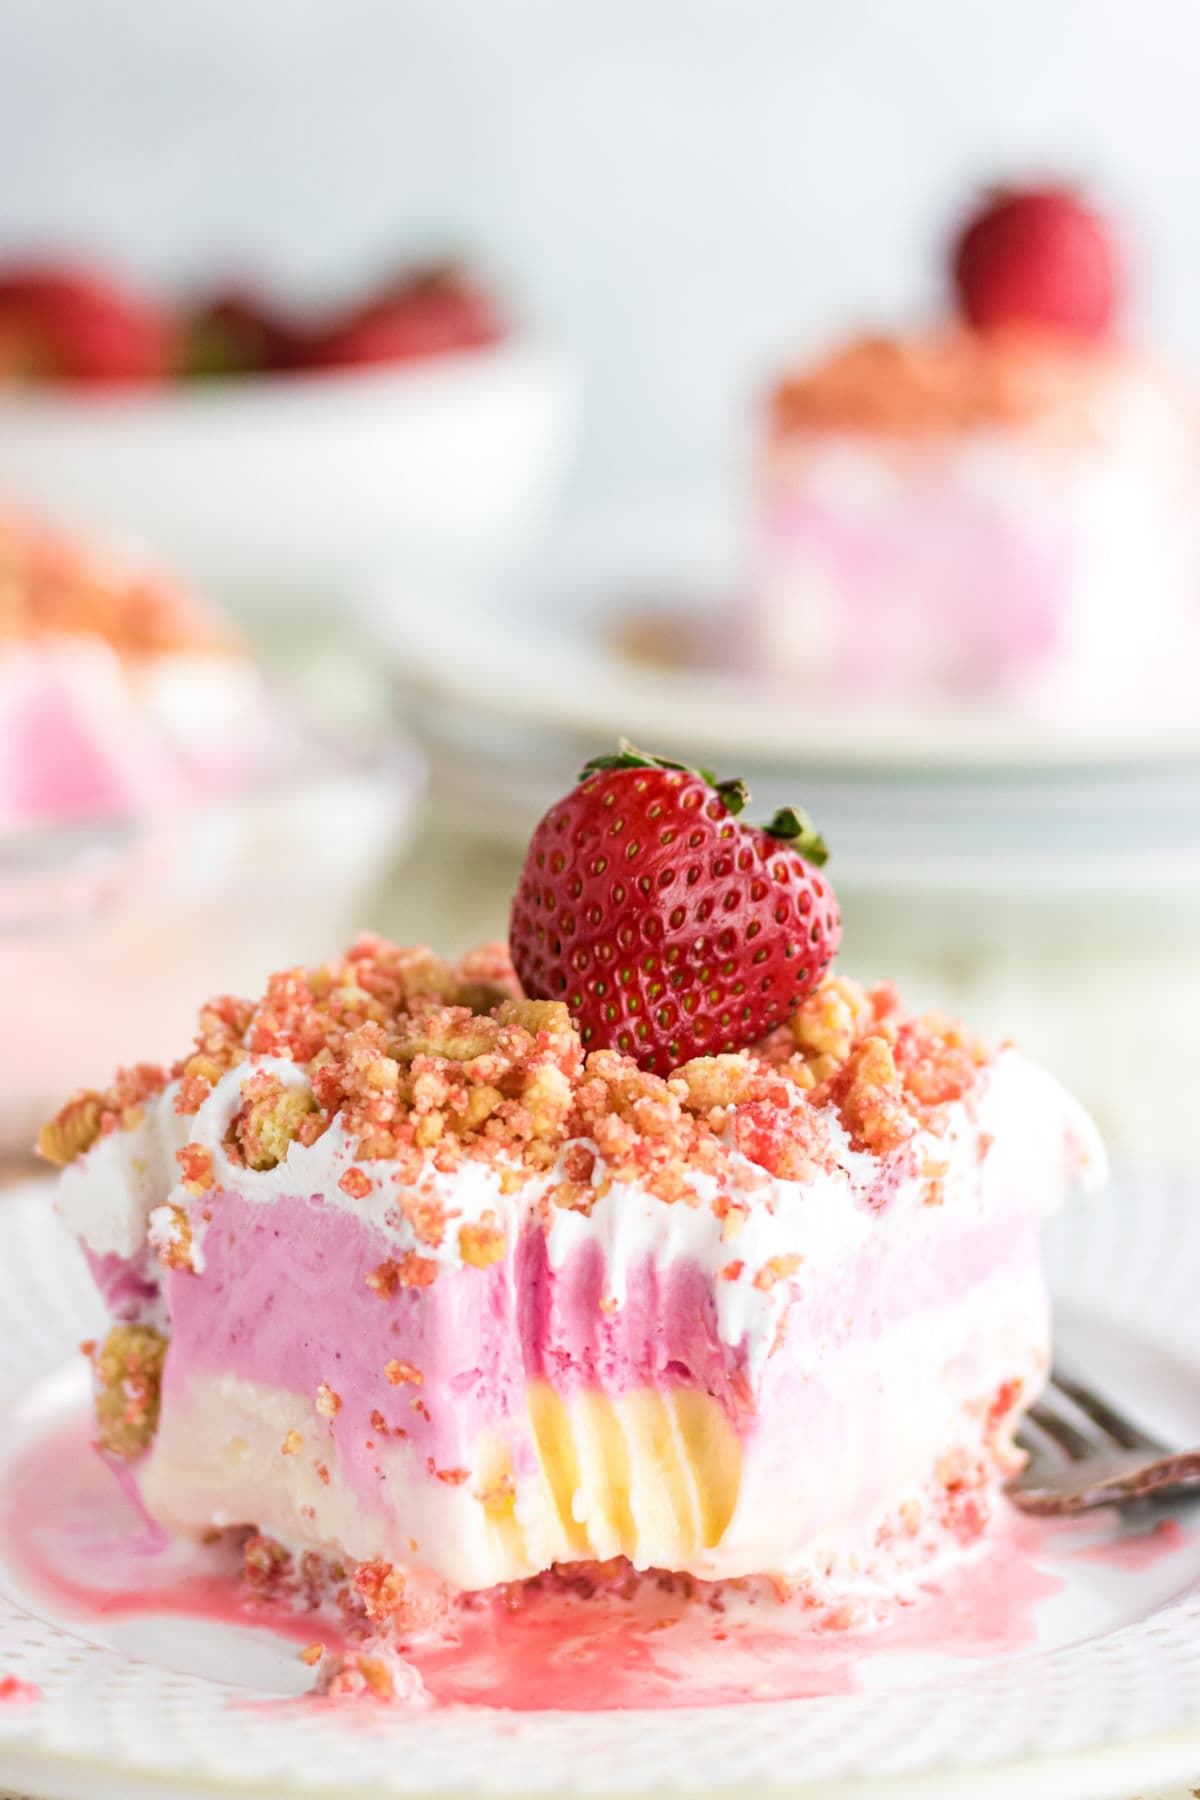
(792, 825)
(734, 793)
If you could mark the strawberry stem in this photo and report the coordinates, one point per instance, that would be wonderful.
(791, 824)
(630, 757)
(734, 792)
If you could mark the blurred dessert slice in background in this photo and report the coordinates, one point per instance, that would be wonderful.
(164, 807)
(119, 693)
(1004, 505)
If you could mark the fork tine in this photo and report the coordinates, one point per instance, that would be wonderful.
(1114, 1424)
(1035, 1443)
(1070, 1440)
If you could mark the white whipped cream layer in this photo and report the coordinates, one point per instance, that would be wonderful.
(1022, 1140)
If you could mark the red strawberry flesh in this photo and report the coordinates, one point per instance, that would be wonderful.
(670, 928)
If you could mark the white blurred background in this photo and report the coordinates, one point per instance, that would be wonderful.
(678, 191)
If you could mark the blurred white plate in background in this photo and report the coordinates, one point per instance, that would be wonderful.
(1041, 891)
(512, 686)
(543, 649)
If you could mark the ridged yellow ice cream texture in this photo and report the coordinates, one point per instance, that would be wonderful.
(649, 1474)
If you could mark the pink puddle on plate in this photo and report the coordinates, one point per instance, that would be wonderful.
(85, 1556)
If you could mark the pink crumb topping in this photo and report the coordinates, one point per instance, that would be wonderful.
(429, 1065)
(955, 380)
(51, 585)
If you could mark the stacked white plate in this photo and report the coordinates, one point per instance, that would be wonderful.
(1040, 872)
(514, 687)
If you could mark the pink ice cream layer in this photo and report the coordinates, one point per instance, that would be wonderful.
(86, 735)
(128, 1284)
(57, 762)
(955, 588)
(283, 1301)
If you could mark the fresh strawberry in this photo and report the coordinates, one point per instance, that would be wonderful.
(423, 315)
(670, 928)
(236, 332)
(1038, 258)
(65, 324)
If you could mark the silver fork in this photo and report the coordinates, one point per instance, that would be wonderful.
(1083, 1452)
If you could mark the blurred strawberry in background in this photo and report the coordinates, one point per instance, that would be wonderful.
(1038, 257)
(64, 323)
(238, 332)
(427, 314)
(67, 324)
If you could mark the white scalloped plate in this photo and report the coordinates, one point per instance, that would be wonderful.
(1107, 1704)
(541, 652)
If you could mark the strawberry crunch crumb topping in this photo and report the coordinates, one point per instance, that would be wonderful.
(170, 1233)
(50, 585)
(93, 1114)
(196, 1170)
(482, 1243)
(399, 1372)
(127, 1371)
(418, 1078)
(1019, 375)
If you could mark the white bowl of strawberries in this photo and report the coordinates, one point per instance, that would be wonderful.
(272, 457)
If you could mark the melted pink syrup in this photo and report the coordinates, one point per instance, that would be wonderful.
(1140, 1550)
(86, 1549)
(17, 1693)
(662, 1650)
(75, 1530)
